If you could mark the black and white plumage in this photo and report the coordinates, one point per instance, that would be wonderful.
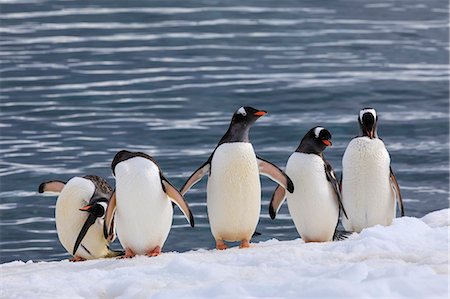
(314, 205)
(369, 186)
(141, 207)
(79, 215)
(234, 188)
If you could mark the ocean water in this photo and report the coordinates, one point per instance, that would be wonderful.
(81, 80)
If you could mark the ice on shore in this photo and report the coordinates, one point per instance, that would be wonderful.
(408, 259)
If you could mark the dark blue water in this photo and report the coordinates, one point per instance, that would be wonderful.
(81, 80)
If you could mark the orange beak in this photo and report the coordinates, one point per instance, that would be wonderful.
(260, 113)
(371, 134)
(85, 208)
(327, 142)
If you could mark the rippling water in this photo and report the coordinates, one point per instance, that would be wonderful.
(81, 80)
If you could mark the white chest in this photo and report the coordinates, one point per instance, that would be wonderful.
(313, 205)
(234, 192)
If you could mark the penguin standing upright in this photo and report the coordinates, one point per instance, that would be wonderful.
(314, 205)
(369, 186)
(79, 213)
(234, 188)
(141, 207)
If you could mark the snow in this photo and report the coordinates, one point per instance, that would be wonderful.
(408, 259)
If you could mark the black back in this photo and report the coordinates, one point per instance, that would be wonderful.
(102, 188)
(124, 155)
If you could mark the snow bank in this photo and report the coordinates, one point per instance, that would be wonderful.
(408, 259)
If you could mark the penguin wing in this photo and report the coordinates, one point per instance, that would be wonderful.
(87, 224)
(176, 197)
(275, 174)
(108, 225)
(331, 177)
(51, 186)
(278, 197)
(396, 188)
(196, 176)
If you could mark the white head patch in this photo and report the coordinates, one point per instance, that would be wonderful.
(242, 111)
(364, 111)
(317, 131)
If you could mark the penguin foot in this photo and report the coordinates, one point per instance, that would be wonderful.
(220, 245)
(244, 244)
(128, 254)
(76, 259)
(155, 252)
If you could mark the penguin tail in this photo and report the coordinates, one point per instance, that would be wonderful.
(256, 234)
(114, 253)
(340, 235)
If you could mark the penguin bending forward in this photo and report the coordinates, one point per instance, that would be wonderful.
(79, 216)
(315, 204)
(369, 186)
(141, 206)
(234, 187)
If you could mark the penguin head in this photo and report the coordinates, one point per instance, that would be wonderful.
(368, 122)
(98, 209)
(241, 123)
(246, 116)
(315, 141)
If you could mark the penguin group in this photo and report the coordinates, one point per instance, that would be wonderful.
(89, 214)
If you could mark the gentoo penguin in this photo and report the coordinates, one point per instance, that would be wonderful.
(79, 213)
(314, 206)
(369, 186)
(141, 207)
(234, 188)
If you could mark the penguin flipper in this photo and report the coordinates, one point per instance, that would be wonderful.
(331, 177)
(396, 188)
(278, 197)
(176, 197)
(55, 186)
(87, 224)
(96, 209)
(275, 174)
(196, 176)
(108, 225)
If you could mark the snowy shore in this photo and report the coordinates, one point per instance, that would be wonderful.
(408, 259)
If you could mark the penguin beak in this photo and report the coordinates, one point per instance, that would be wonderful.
(370, 133)
(260, 113)
(327, 142)
(86, 208)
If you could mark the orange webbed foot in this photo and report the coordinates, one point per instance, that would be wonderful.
(155, 252)
(128, 254)
(76, 259)
(220, 245)
(244, 244)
